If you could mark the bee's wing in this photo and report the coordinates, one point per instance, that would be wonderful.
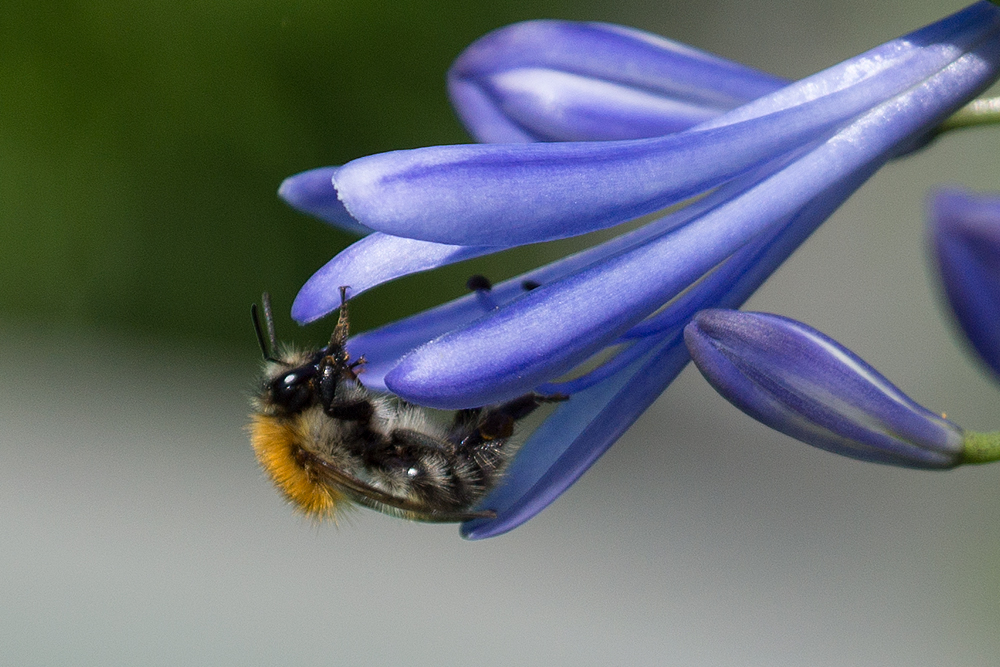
(365, 494)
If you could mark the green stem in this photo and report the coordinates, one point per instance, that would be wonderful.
(977, 112)
(981, 447)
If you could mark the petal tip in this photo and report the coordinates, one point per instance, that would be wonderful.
(310, 305)
(313, 192)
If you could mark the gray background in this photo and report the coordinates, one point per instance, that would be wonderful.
(136, 528)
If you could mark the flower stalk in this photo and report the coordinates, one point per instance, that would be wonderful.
(981, 447)
(984, 111)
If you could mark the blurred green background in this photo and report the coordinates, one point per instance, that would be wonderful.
(141, 146)
(142, 143)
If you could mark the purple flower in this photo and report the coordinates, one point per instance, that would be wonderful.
(768, 173)
(798, 381)
(965, 234)
(567, 81)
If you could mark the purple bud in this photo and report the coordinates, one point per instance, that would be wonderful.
(806, 385)
(965, 233)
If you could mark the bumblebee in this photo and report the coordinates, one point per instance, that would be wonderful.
(327, 442)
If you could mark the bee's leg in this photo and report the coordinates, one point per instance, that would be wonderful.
(343, 328)
(466, 418)
(331, 372)
(358, 411)
(497, 422)
(480, 436)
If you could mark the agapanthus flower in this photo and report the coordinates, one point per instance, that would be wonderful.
(767, 173)
(965, 235)
(798, 381)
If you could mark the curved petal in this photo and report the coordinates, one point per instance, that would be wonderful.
(787, 96)
(508, 195)
(375, 259)
(489, 361)
(518, 347)
(806, 385)
(567, 81)
(483, 119)
(513, 194)
(312, 192)
(965, 231)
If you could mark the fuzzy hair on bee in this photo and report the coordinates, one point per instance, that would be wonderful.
(328, 442)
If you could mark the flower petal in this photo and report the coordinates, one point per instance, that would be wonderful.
(312, 192)
(965, 230)
(568, 81)
(512, 194)
(375, 259)
(568, 107)
(508, 195)
(802, 383)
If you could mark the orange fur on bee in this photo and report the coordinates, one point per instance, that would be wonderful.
(277, 443)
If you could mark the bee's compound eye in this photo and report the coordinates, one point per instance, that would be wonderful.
(293, 390)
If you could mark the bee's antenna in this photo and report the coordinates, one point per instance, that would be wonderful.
(269, 319)
(266, 299)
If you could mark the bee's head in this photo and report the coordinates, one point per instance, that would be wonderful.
(290, 378)
(293, 381)
(292, 389)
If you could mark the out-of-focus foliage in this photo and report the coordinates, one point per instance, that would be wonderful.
(141, 145)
